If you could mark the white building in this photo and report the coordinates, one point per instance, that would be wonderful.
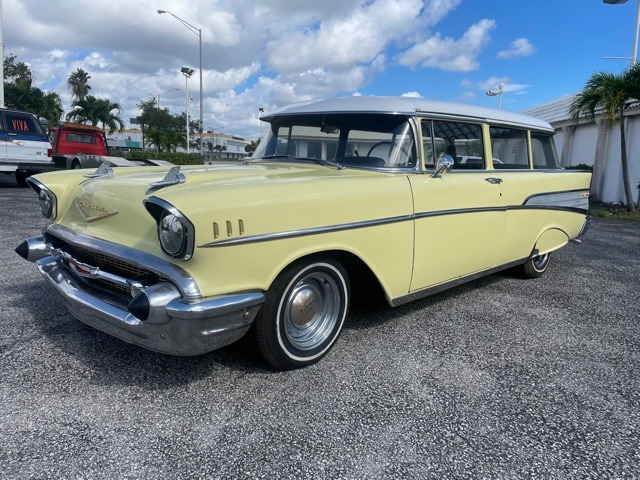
(230, 146)
(596, 144)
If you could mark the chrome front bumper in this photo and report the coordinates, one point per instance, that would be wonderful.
(172, 323)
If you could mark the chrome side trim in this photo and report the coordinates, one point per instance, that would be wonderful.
(381, 221)
(184, 282)
(305, 232)
(425, 292)
(573, 199)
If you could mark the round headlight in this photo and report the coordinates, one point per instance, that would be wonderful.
(173, 235)
(46, 203)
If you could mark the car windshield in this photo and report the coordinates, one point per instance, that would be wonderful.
(352, 140)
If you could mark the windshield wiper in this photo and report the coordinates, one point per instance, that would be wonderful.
(325, 163)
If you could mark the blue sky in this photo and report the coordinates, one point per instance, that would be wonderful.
(272, 52)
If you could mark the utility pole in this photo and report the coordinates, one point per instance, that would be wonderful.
(2, 63)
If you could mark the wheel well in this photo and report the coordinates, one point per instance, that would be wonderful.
(365, 286)
(75, 162)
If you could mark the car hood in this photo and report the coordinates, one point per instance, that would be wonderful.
(267, 197)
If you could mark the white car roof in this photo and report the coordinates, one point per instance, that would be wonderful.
(409, 106)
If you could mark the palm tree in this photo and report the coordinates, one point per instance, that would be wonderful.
(609, 94)
(78, 83)
(96, 110)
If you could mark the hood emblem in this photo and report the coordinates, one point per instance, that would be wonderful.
(91, 212)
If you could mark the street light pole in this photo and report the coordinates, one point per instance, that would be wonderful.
(498, 93)
(160, 95)
(634, 57)
(187, 72)
(198, 32)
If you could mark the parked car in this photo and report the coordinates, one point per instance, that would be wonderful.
(339, 195)
(85, 146)
(25, 145)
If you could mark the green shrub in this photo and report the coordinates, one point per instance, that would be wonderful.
(175, 158)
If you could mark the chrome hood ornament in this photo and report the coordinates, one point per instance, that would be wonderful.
(103, 170)
(173, 177)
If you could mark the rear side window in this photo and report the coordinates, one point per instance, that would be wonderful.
(462, 142)
(81, 138)
(21, 124)
(509, 147)
(543, 151)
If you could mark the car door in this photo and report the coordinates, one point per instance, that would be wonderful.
(26, 141)
(3, 143)
(459, 216)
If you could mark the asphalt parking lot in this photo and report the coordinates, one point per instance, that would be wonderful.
(499, 378)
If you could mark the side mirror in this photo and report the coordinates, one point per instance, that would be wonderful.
(444, 164)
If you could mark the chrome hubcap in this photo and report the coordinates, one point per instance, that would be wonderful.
(311, 310)
(540, 262)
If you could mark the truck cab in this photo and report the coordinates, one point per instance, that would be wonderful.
(73, 142)
(24, 145)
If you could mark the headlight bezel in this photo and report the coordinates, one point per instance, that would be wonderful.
(51, 212)
(161, 210)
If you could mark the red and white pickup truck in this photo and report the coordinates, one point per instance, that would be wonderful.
(83, 146)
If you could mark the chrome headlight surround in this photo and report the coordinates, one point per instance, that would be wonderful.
(176, 233)
(46, 198)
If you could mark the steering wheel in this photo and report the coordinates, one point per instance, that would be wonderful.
(384, 142)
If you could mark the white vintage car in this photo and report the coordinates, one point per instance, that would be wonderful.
(341, 195)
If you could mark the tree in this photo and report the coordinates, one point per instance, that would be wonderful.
(608, 94)
(95, 111)
(20, 94)
(17, 72)
(162, 129)
(252, 146)
(78, 83)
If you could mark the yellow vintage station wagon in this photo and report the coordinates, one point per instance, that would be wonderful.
(409, 195)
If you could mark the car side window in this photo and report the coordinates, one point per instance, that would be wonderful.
(460, 141)
(543, 151)
(16, 123)
(509, 148)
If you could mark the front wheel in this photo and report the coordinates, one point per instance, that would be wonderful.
(303, 313)
(21, 178)
(535, 266)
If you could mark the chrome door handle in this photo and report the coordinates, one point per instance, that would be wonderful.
(494, 180)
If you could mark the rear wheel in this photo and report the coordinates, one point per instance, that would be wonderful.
(535, 266)
(303, 313)
(75, 165)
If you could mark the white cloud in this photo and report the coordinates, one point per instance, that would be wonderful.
(265, 53)
(340, 43)
(411, 95)
(518, 48)
(449, 54)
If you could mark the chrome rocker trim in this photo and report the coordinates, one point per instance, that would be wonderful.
(171, 322)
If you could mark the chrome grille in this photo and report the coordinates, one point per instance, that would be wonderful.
(108, 264)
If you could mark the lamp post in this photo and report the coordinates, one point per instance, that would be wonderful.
(498, 93)
(187, 72)
(198, 32)
(635, 39)
(160, 95)
(260, 112)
